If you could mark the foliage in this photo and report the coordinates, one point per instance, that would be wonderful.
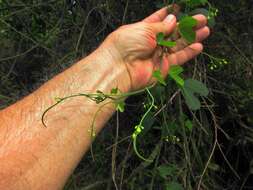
(186, 26)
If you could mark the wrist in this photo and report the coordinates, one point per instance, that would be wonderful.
(108, 70)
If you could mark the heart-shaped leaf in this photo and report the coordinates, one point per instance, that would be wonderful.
(186, 28)
(196, 87)
(190, 99)
(192, 88)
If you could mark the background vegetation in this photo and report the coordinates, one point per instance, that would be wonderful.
(39, 39)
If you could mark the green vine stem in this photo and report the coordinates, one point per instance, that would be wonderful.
(96, 97)
(100, 97)
(92, 128)
(139, 128)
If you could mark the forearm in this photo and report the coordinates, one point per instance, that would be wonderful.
(35, 157)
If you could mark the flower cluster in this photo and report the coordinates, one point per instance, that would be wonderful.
(172, 138)
(216, 62)
(213, 12)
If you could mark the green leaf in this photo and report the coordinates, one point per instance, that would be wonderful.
(166, 171)
(114, 91)
(160, 41)
(167, 43)
(196, 87)
(211, 22)
(148, 123)
(186, 28)
(174, 74)
(200, 11)
(191, 100)
(160, 37)
(176, 70)
(158, 75)
(174, 186)
(178, 80)
(195, 3)
(188, 124)
(190, 88)
(120, 106)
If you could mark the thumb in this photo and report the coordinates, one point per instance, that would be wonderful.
(166, 26)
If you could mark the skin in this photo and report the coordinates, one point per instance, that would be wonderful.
(35, 157)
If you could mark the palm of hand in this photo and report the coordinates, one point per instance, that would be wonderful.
(137, 47)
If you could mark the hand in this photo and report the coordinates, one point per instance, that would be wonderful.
(135, 46)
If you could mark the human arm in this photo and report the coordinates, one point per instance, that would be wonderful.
(35, 157)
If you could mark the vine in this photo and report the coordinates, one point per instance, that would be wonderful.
(191, 89)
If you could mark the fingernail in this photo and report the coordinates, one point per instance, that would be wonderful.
(170, 18)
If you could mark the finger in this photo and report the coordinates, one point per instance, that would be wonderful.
(158, 16)
(185, 55)
(201, 21)
(161, 14)
(167, 26)
(201, 35)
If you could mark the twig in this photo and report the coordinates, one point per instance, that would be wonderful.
(169, 101)
(125, 13)
(92, 186)
(114, 152)
(27, 37)
(228, 163)
(18, 55)
(118, 142)
(213, 149)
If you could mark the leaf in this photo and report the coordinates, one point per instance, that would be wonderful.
(178, 80)
(200, 11)
(211, 22)
(167, 43)
(160, 41)
(174, 74)
(166, 171)
(114, 91)
(196, 87)
(158, 92)
(174, 186)
(160, 37)
(190, 88)
(148, 123)
(176, 70)
(186, 28)
(120, 106)
(190, 99)
(195, 3)
(158, 75)
(188, 124)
